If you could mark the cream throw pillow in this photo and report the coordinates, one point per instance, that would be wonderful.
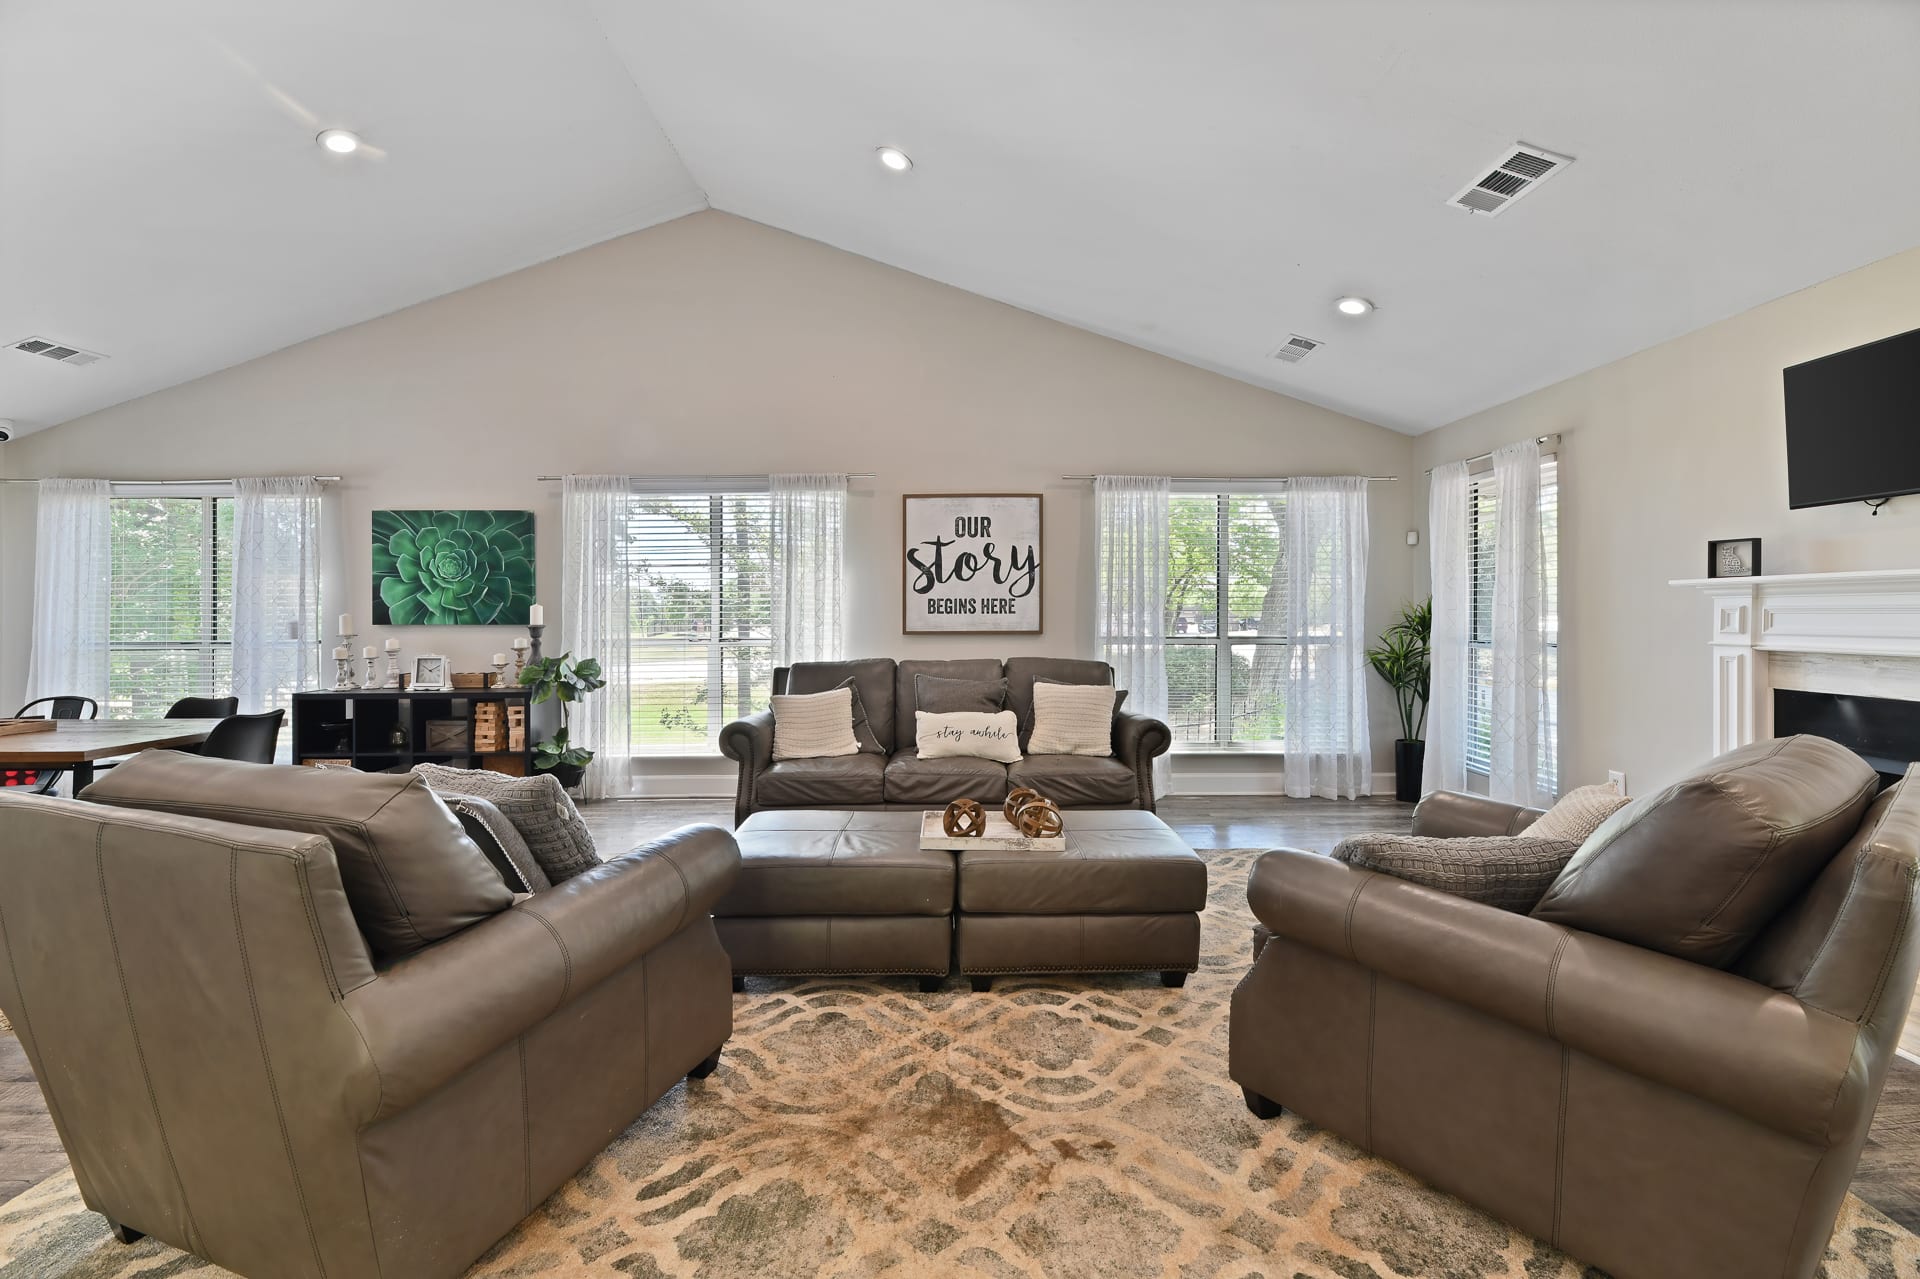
(1072, 719)
(1578, 813)
(970, 733)
(814, 725)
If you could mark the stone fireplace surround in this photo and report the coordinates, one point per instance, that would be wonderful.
(1854, 633)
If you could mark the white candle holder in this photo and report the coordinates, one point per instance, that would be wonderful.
(368, 682)
(499, 672)
(343, 667)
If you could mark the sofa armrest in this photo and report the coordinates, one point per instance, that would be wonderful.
(1698, 1030)
(1137, 741)
(1447, 814)
(749, 741)
(433, 1014)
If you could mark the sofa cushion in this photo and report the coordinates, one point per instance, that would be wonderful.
(1699, 869)
(837, 864)
(539, 808)
(835, 779)
(904, 702)
(913, 780)
(410, 873)
(1507, 871)
(814, 725)
(1023, 671)
(1073, 781)
(873, 685)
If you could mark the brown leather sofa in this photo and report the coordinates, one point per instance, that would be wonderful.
(1657, 1117)
(898, 778)
(235, 1069)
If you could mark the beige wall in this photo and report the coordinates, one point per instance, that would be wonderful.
(708, 345)
(1664, 450)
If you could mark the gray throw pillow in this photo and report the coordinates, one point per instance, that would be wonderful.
(938, 696)
(862, 730)
(1511, 872)
(488, 827)
(538, 807)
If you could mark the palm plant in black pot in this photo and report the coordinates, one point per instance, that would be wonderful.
(1404, 659)
(565, 681)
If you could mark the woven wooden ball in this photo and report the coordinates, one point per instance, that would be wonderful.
(1021, 795)
(1038, 819)
(964, 819)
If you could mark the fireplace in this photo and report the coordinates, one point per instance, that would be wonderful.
(1884, 731)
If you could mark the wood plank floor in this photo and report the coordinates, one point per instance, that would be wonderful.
(1888, 1176)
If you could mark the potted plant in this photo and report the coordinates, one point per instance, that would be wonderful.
(1404, 659)
(566, 681)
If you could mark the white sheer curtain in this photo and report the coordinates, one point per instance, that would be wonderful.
(1328, 751)
(276, 590)
(1446, 766)
(1519, 695)
(596, 621)
(72, 581)
(1131, 523)
(808, 567)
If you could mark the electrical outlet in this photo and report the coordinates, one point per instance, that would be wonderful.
(1619, 780)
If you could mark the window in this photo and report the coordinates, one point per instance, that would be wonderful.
(1483, 507)
(702, 620)
(170, 627)
(1226, 619)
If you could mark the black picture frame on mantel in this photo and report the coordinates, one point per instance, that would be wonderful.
(1745, 552)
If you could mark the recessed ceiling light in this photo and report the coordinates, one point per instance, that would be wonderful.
(1352, 305)
(339, 141)
(896, 159)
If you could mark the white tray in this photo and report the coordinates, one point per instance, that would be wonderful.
(1000, 834)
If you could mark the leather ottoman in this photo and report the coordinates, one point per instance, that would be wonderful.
(822, 892)
(1124, 896)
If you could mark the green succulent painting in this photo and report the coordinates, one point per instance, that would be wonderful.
(452, 568)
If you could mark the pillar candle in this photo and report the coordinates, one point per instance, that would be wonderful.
(342, 652)
(368, 651)
(346, 623)
(499, 659)
(536, 616)
(393, 646)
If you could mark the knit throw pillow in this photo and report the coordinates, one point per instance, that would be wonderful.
(1578, 813)
(1512, 872)
(500, 840)
(814, 725)
(1072, 719)
(539, 808)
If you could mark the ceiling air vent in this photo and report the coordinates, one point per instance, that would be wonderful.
(1296, 348)
(1519, 170)
(58, 351)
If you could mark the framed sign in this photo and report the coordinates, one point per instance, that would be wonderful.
(972, 564)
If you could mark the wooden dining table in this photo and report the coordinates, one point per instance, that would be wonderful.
(75, 745)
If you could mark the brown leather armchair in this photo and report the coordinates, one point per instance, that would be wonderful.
(231, 1073)
(1653, 1116)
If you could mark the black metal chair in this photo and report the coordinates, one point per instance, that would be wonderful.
(249, 738)
(203, 708)
(42, 783)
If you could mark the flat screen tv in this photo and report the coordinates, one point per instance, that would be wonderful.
(1853, 424)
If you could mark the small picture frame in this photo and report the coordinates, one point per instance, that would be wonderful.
(1733, 557)
(429, 673)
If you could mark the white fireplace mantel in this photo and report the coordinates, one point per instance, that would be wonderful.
(1863, 628)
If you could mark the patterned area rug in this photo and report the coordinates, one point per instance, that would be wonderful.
(1074, 1129)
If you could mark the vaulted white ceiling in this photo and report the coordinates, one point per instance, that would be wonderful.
(1200, 178)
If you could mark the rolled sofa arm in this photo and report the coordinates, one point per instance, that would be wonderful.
(1448, 814)
(1701, 1031)
(748, 740)
(1137, 741)
(433, 1014)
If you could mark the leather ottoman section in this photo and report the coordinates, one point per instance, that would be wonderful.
(989, 944)
(829, 944)
(837, 863)
(1135, 866)
(938, 782)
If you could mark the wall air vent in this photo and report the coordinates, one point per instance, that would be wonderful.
(1519, 170)
(59, 351)
(1296, 348)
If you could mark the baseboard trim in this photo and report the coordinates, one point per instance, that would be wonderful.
(647, 785)
(1195, 784)
(1223, 785)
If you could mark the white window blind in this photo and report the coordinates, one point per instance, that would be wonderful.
(1226, 619)
(170, 627)
(1483, 512)
(702, 645)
